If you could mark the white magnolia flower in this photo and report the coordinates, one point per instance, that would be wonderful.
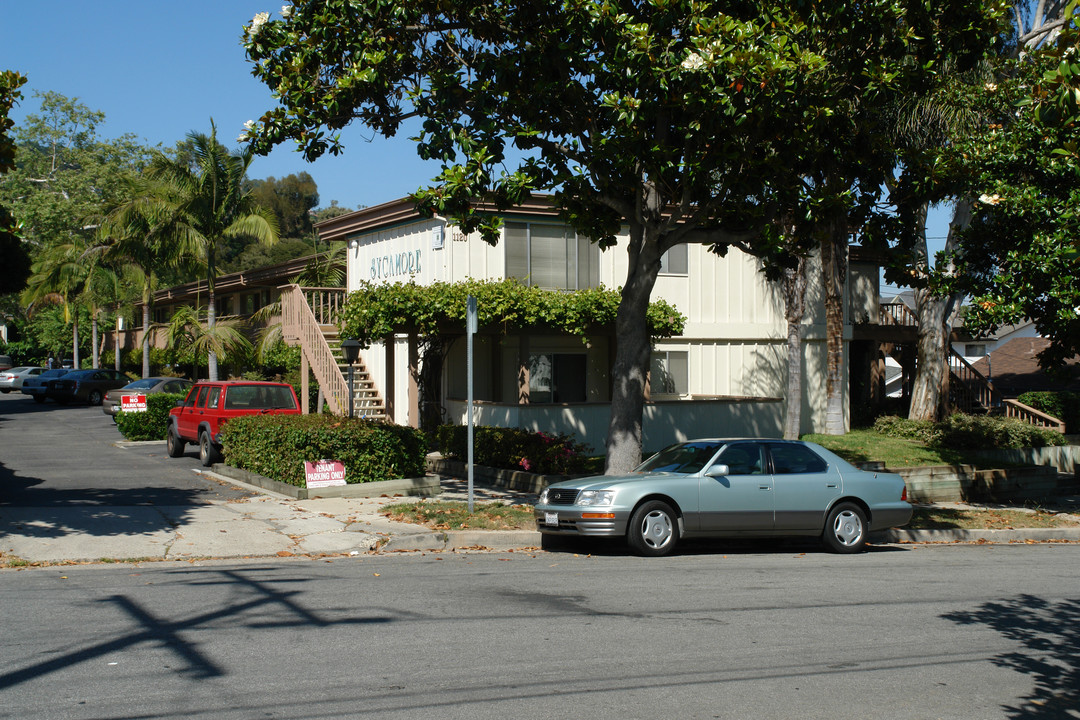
(257, 22)
(286, 11)
(991, 86)
(989, 199)
(246, 135)
(693, 62)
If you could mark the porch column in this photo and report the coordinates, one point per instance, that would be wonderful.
(523, 369)
(388, 346)
(414, 380)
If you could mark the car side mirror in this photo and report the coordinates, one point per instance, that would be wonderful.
(717, 470)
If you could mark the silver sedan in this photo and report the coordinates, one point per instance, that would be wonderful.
(729, 488)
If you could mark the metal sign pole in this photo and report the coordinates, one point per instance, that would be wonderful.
(470, 330)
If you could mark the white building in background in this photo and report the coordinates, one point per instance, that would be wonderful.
(725, 375)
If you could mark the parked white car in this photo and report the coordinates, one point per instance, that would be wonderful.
(13, 379)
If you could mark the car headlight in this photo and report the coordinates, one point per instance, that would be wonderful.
(596, 497)
(543, 497)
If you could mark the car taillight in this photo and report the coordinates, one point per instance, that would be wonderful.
(903, 495)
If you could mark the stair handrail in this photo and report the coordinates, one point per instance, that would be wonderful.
(299, 322)
(973, 382)
(1020, 411)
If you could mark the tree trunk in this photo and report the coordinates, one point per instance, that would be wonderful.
(929, 393)
(95, 356)
(794, 309)
(211, 356)
(146, 338)
(833, 267)
(74, 341)
(631, 355)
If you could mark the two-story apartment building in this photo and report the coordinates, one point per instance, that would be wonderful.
(725, 375)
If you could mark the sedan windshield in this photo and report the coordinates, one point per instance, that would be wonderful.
(682, 458)
(144, 384)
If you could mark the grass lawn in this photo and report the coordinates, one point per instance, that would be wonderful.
(863, 445)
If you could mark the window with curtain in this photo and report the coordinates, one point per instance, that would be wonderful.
(669, 372)
(550, 256)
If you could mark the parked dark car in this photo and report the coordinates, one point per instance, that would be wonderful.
(729, 488)
(145, 386)
(35, 387)
(88, 386)
(209, 405)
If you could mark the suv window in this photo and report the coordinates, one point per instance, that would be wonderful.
(258, 397)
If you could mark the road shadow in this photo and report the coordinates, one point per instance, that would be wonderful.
(255, 594)
(1047, 634)
(616, 547)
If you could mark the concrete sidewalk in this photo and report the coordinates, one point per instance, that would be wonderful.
(267, 525)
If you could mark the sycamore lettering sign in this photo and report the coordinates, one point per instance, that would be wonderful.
(388, 266)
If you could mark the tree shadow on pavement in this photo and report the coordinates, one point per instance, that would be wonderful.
(257, 593)
(1048, 636)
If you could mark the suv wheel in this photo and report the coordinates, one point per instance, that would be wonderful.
(208, 454)
(173, 444)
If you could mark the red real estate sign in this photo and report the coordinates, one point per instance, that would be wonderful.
(324, 473)
(133, 403)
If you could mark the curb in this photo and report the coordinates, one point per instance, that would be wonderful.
(900, 535)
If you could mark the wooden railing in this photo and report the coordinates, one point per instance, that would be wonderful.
(1020, 411)
(300, 323)
(898, 314)
(970, 390)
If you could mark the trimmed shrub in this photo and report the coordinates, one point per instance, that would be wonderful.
(276, 446)
(515, 449)
(152, 424)
(970, 432)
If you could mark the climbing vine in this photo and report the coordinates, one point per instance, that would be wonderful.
(374, 311)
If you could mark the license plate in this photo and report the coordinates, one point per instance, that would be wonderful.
(551, 518)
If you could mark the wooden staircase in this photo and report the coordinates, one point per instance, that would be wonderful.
(969, 390)
(308, 319)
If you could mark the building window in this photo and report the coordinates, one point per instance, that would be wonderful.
(551, 256)
(669, 372)
(974, 350)
(675, 261)
(556, 377)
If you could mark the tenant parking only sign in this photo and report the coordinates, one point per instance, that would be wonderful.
(133, 403)
(324, 473)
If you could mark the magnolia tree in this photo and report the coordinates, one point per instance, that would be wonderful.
(680, 120)
(1024, 167)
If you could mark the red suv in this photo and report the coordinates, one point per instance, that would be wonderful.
(209, 404)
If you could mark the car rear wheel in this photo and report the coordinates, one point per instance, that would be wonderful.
(208, 454)
(39, 398)
(94, 398)
(845, 530)
(653, 530)
(173, 444)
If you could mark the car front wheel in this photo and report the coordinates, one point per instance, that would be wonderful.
(845, 530)
(208, 454)
(173, 444)
(653, 530)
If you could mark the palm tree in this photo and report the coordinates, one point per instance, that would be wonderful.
(188, 331)
(59, 277)
(198, 200)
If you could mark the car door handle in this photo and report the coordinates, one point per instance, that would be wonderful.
(831, 486)
(765, 487)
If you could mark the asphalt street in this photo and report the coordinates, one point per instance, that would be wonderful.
(955, 631)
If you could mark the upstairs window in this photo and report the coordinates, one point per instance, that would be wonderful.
(550, 256)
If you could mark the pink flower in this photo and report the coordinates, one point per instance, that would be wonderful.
(525, 464)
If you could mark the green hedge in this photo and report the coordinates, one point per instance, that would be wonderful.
(969, 432)
(152, 424)
(515, 449)
(276, 447)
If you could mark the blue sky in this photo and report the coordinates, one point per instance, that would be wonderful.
(160, 70)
